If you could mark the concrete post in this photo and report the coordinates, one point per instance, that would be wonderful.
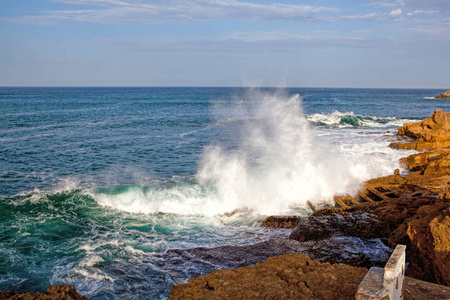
(385, 283)
(394, 273)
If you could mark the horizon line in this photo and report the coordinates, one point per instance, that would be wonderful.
(212, 86)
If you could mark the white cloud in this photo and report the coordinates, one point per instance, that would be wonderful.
(396, 13)
(424, 6)
(136, 11)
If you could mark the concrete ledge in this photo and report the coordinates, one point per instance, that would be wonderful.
(385, 283)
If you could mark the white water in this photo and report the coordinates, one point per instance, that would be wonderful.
(280, 162)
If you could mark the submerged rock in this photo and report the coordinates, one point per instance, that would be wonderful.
(66, 292)
(294, 276)
(444, 95)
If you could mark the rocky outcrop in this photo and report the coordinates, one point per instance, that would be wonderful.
(403, 214)
(294, 276)
(66, 292)
(428, 134)
(444, 95)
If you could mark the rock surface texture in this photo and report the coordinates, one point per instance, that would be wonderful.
(293, 276)
(429, 134)
(60, 292)
(444, 95)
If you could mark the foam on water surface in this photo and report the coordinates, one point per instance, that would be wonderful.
(94, 192)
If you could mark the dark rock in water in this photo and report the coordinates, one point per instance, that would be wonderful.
(344, 249)
(280, 221)
(60, 292)
(359, 224)
(294, 276)
(444, 95)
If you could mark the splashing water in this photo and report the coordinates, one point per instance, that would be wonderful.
(279, 163)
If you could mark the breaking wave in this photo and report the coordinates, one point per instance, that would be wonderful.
(349, 119)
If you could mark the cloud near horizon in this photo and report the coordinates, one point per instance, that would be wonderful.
(214, 42)
(188, 11)
(135, 11)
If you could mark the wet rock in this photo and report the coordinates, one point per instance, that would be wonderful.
(280, 221)
(444, 95)
(66, 292)
(294, 276)
(359, 224)
(343, 249)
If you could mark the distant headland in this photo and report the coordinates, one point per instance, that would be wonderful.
(444, 95)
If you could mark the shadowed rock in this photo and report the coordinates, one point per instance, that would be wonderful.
(60, 292)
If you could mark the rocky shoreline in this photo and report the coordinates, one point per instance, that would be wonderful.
(328, 253)
(360, 232)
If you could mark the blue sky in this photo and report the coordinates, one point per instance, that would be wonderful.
(322, 43)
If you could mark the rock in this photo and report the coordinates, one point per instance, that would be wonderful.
(66, 292)
(429, 234)
(294, 276)
(340, 249)
(387, 180)
(361, 224)
(280, 221)
(414, 289)
(428, 134)
(444, 95)
(403, 214)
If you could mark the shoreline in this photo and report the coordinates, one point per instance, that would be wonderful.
(374, 220)
(413, 210)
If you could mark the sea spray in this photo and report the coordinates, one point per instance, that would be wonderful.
(279, 162)
(275, 162)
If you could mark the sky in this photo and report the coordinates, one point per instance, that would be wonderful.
(322, 43)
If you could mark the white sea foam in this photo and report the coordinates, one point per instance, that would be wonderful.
(279, 163)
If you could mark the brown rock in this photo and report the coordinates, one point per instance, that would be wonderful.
(429, 235)
(60, 292)
(414, 289)
(280, 221)
(444, 95)
(293, 276)
(428, 134)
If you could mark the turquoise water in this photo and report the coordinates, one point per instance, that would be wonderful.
(96, 183)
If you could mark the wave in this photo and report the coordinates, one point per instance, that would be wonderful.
(349, 119)
(277, 163)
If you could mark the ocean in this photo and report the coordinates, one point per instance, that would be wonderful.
(97, 183)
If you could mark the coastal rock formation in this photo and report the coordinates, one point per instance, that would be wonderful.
(428, 134)
(338, 249)
(66, 292)
(444, 95)
(294, 276)
(402, 214)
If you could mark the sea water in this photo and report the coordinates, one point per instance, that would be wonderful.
(97, 183)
